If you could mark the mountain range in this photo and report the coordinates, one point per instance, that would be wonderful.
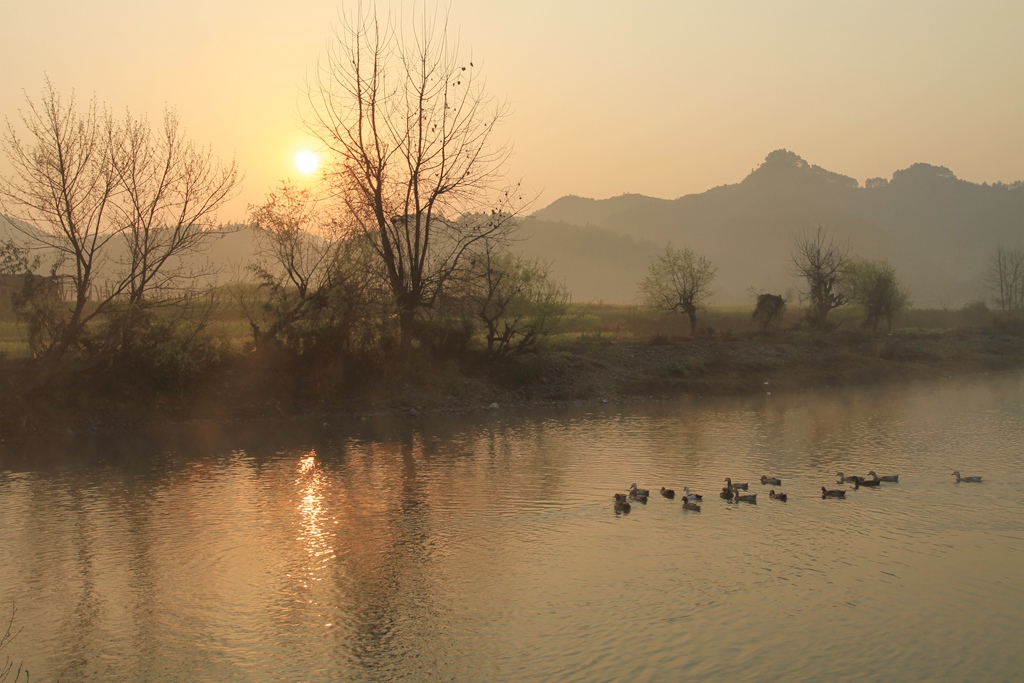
(934, 228)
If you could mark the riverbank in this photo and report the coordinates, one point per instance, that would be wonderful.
(592, 370)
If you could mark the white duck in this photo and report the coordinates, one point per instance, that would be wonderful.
(694, 497)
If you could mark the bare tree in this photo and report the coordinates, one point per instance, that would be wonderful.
(63, 184)
(169, 191)
(317, 290)
(1005, 277)
(414, 156)
(114, 206)
(516, 299)
(678, 280)
(875, 287)
(819, 260)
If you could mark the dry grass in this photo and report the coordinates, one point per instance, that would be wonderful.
(607, 323)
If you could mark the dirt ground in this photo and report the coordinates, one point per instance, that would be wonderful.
(606, 372)
(717, 367)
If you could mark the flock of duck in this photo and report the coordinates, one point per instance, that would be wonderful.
(731, 492)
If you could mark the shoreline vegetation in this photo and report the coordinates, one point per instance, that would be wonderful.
(613, 354)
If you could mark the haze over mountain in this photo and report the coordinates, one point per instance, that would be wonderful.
(936, 229)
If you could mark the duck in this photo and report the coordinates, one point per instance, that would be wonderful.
(774, 481)
(634, 492)
(861, 481)
(621, 504)
(727, 493)
(966, 480)
(893, 478)
(832, 493)
(778, 496)
(743, 498)
(691, 496)
(668, 493)
(690, 505)
(735, 487)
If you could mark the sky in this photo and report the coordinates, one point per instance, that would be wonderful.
(657, 97)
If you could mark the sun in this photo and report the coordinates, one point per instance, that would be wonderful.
(306, 161)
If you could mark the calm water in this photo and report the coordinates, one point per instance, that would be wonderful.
(485, 547)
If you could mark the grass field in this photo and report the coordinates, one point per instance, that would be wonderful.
(601, 323)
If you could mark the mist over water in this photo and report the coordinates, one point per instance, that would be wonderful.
(485, 547)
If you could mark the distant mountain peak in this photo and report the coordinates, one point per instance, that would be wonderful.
(783, 157)
(783, 165)
(923, 173)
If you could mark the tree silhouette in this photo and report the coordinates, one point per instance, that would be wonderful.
(117, 205)
(819, 261)
(875, 287)
(413, 152)
(768, 310)
(678, 280)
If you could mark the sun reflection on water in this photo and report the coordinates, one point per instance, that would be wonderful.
(314, 533)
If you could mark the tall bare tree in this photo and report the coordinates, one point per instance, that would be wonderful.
(819, 260)
(63, 185)
(115, 206)
(414, 157)
(678, 280)
(1005, 277)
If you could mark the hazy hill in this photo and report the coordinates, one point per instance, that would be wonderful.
(225, 257)
(935, 228)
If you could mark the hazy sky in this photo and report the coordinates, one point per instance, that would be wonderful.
(662, 98)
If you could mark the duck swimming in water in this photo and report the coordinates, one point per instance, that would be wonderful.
(892, 478)
(634, 492)
(727, 493)
(621, 504)
(639, 495)
(668, 493)
(690, 505)
(860, 481)
(744, 498)
(735, 487)
(966, 480)
(696, 497)
(832, 493)
(778, 496)
(774, 481)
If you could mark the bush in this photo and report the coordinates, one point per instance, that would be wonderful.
(446, 336)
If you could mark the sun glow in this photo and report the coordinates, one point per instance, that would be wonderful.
(307, 161)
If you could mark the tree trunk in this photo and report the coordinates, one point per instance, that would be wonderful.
(406, 318)
(691, 313)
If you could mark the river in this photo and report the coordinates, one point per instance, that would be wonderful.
(485, 547)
